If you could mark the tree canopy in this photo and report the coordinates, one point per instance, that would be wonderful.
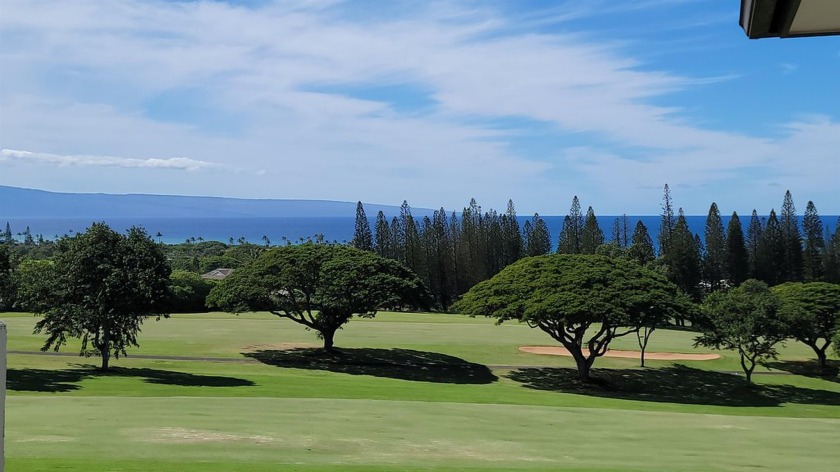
(320, 286)
(812, 312)
(582, 301)
(101, 286)
(745, 319)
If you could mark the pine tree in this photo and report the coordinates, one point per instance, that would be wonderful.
(397, 240)
(620, 235)
(28, 240)
(441, 265)
(474, 243)
(570, 241)
(737, 258)
(410, 242)
(7, 235)
(591, 236)
(616, 232)
(666, 227)
(641, 250)
(715, 261)
(362, 236)
(814, 244)
(458, 253)
(540, 241)
(512, 236)
(754, 231)
(383, 237)
(792, 265)
(770, 254)
(625, 231)
(831, 259)
(527, 230)
(495, 245)
(683, 258)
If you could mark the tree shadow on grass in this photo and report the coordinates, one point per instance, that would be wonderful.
(66, 380)
(44, 380)
(809, 369)
(403, 364)
(183, 379)
(677, 384)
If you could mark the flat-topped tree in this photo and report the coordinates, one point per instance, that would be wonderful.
(582, 301)
(320, 286)
(812, 313)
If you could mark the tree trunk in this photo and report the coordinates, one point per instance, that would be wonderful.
(583, 364)
(105, 349)
(329, 337)
(583, 370)
(820, 357)
(748, 370)
(106, 356)
(643, 337)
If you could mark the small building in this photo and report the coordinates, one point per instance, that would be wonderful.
(217, 274)
(790, 18)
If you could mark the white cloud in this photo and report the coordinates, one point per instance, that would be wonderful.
(79, 78)
(181, 163)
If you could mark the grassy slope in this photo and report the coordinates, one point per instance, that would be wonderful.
(63, 416)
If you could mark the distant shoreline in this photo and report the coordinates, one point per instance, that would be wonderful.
(340, 229)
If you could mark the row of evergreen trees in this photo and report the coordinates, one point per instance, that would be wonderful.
(453, 252)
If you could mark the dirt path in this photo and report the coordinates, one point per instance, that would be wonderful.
(654, 356)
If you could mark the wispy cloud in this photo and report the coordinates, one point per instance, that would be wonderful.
(181, 163)
(270, 87)
(788, 68)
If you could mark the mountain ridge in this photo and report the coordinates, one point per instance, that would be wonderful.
(17, 202)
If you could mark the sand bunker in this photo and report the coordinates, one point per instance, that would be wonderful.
(653, 356)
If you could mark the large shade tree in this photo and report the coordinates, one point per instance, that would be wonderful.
(812, 312)
(582, 301)
(746, 319)
(320, 286)
(101, 286)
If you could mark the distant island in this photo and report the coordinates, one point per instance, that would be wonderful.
(18, 202)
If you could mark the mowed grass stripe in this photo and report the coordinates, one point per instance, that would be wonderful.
(360, 432)
(681, 390)
(471, 339)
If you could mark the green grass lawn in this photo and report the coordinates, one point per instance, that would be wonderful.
(410, 392)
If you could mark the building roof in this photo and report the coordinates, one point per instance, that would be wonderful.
(217, 274)
(790, 18)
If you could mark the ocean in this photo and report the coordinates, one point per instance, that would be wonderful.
(337, 229)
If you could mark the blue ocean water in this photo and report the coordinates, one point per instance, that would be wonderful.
(339, 229)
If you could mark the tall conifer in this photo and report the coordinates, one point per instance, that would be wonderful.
(591, 236)
(362, 236)
(737, 258)
(754, 231)
(641, 249)
(512, 236)
(814, 244)
(683, 258)
(831, 258)
(540, 241)
(666, 226)
(526, 238)
(383, 238)
(715, 261)
(570, 240)
(792, 264)
(770, 254)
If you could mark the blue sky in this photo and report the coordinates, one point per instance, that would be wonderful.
(430, 102)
